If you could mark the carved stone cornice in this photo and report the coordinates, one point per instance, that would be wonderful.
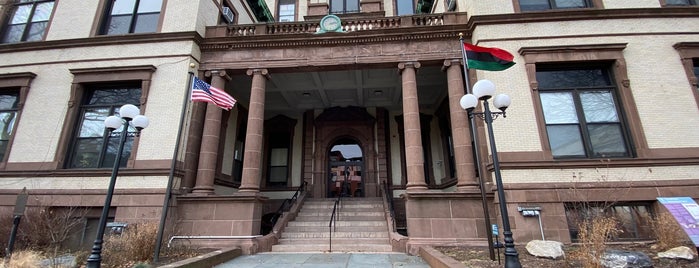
(305, 40)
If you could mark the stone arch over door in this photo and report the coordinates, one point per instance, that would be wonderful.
(344, 122)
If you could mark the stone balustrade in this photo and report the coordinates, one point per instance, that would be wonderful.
(306, 27)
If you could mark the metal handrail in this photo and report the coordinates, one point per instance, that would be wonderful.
(286, 205)
(333, 218)
(389, 199)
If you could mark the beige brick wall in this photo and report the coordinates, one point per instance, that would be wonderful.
(72, 19)
(599, 175)
(123, 182)
(476, 7)
(75, 18)
(665, 85)
(47, 102)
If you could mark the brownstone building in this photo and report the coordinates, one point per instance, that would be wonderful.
(361, 92)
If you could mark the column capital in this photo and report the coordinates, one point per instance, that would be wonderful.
(449, 62)
(408, 64)
(258, 71)
(218, 72)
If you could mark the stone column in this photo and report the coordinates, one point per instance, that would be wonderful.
(196, 130)
(414, 161)
(253, 137)
(463, 151)
(208, 154)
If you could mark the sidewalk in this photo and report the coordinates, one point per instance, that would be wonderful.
(326, 260)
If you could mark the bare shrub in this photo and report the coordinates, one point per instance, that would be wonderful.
(593, 235)
(136, 244)
(46, 228)
(23, 259)
(5, 229)
(668, 233)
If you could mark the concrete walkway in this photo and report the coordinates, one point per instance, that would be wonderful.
(326, 260)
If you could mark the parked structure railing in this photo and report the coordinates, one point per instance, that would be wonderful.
(348, 25)
(388, 195)
(270, 220)
(332, 225)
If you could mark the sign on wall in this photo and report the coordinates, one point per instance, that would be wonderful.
(686, 213)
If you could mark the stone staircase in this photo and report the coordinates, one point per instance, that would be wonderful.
(361, 227)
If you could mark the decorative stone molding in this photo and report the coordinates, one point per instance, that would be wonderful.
(263, 72)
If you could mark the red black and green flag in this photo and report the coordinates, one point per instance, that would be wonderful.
(487, 58)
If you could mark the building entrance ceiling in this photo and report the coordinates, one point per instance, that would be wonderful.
(298, 91)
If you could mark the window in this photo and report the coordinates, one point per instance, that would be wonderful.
(14, 88)
(287, 10)
(581, 112)
(131, 16)
(93, 146)
(633, 220)
(538, 5)
(279, 138)
(8, 117)
(404, 7)
(344, 6)
(28, 21)
(681, 2)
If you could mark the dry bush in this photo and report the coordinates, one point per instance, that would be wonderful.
(46, 228)
(135, 244)
(23, 259)
(668, 233)
(5, 229)
(593, 234)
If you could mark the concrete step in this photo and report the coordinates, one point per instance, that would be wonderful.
(342, 213)
(336, 248)
(335, 234)
(381, 222)
(342, 218)
(343, 208)
(325, 228)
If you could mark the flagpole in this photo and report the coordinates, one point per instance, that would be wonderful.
(171, 176)
(474, 138)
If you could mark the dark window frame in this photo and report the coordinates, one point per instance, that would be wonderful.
(689, 3)
(28, 24)
(108, 139)
(613, 53)
(344, 10)
(689, 56)
(279, 133)
(633, 231)
(592, 4)
(107, 17)
(576, 92)
(281, 3)
(19, 83)
(82, 78)
(412, 8)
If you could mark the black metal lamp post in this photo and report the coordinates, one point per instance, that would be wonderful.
(129, 115)
(484, 90)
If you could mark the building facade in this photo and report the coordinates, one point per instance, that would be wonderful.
(374, 89)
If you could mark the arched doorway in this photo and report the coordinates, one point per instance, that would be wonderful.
(346, 166)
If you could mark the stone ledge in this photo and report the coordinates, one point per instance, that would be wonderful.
(207, 260)
(438, 260)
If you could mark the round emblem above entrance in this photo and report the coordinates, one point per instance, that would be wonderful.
(330, 23)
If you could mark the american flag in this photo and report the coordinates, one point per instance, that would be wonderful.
(201, 91)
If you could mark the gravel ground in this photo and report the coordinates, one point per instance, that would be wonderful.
(480, 257)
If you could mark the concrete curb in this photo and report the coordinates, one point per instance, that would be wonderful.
(438, 260)
(207, 260)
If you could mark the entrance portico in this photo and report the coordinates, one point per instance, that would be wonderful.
(393, 96)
